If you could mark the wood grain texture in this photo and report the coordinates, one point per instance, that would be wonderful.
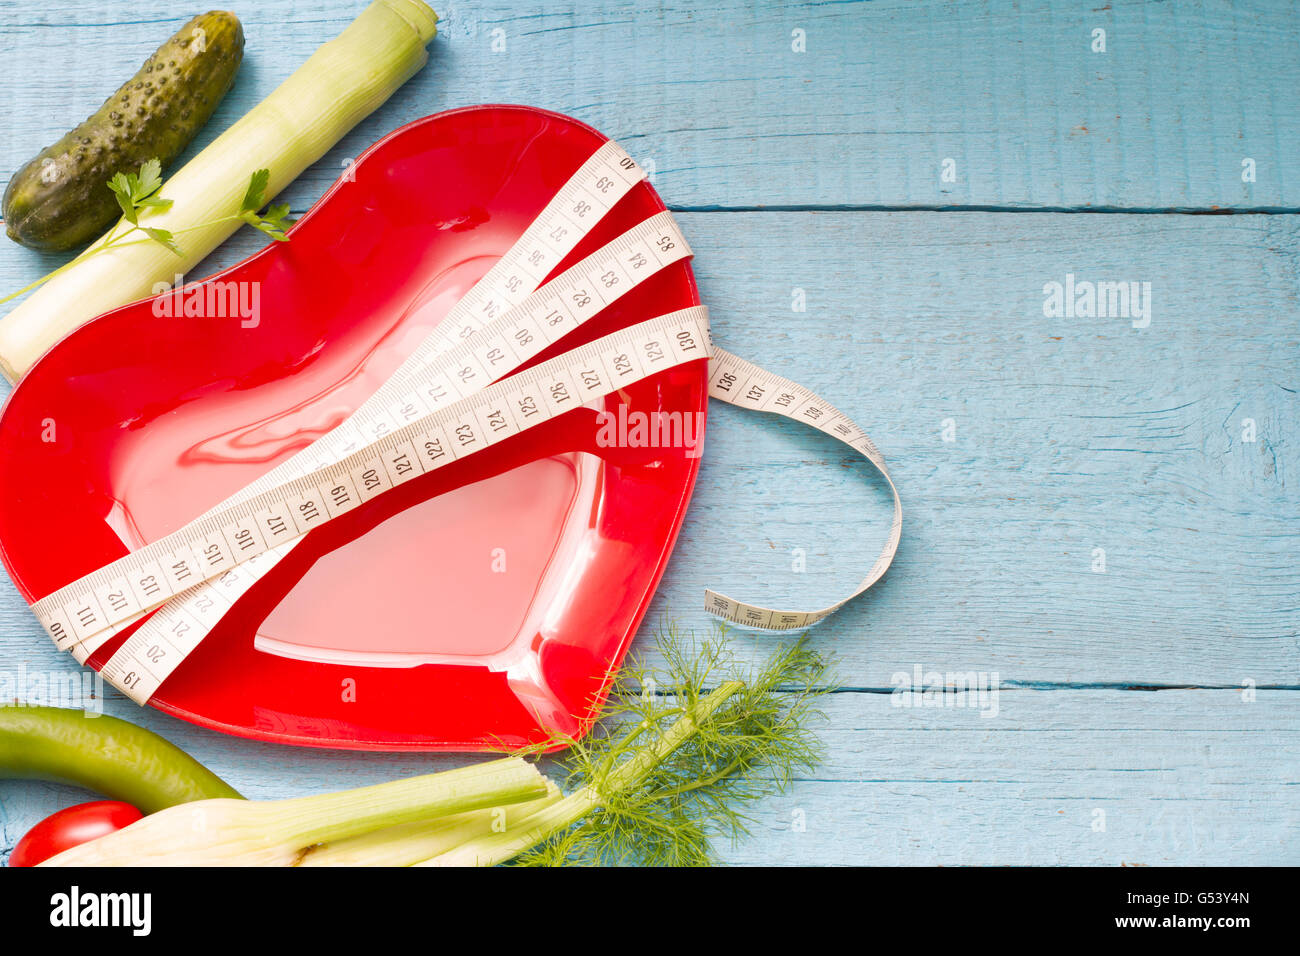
(1055, 777)
(1069, 434)
(731, 116)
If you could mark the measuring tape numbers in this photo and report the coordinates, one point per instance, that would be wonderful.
(734, 380)
(446, 367)
(458, 393)
(589, 194)
(209, 547)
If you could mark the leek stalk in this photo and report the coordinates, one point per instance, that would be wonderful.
(339, 85)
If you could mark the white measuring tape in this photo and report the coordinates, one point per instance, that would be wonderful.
(439, 407)
(607, 176)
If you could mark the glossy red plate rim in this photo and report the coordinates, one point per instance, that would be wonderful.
(424, 745)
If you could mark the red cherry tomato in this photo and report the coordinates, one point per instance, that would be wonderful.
(72, 827)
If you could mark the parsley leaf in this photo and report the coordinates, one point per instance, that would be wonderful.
(139, 190)
(275, 220)
(135, 191)
(256, 190)
(122, 190)
(149, 181)
(164, 237)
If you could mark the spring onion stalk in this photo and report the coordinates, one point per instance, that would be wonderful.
(412, 842)
(339, 85)
(226, 832)
(684, 749)
(535, 829)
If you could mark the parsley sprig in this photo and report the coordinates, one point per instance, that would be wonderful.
(137, 196)
(276, 218)
(138, 191)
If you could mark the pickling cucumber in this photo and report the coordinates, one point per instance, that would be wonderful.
(61, 200)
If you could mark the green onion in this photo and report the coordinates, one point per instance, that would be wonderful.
(226, 832)
(412, 842)
(669, 767)
(340, 84)
(537, 828)
(672, 765)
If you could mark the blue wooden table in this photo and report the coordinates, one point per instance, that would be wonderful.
(1102, 511)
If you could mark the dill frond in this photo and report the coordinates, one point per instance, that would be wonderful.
(745, 733)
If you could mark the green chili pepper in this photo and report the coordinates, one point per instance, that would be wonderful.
(104, 754)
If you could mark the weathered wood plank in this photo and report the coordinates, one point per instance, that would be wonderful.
(1069, 435)
(1099, 777)
(732, 116)
(1077, 777)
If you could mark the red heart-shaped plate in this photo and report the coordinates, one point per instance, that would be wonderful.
(497, 592)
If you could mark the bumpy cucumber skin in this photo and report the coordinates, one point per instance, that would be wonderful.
(60, 200)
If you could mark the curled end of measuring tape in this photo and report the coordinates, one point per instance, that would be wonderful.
(84, 615)
(766, 619)
(737, 382)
